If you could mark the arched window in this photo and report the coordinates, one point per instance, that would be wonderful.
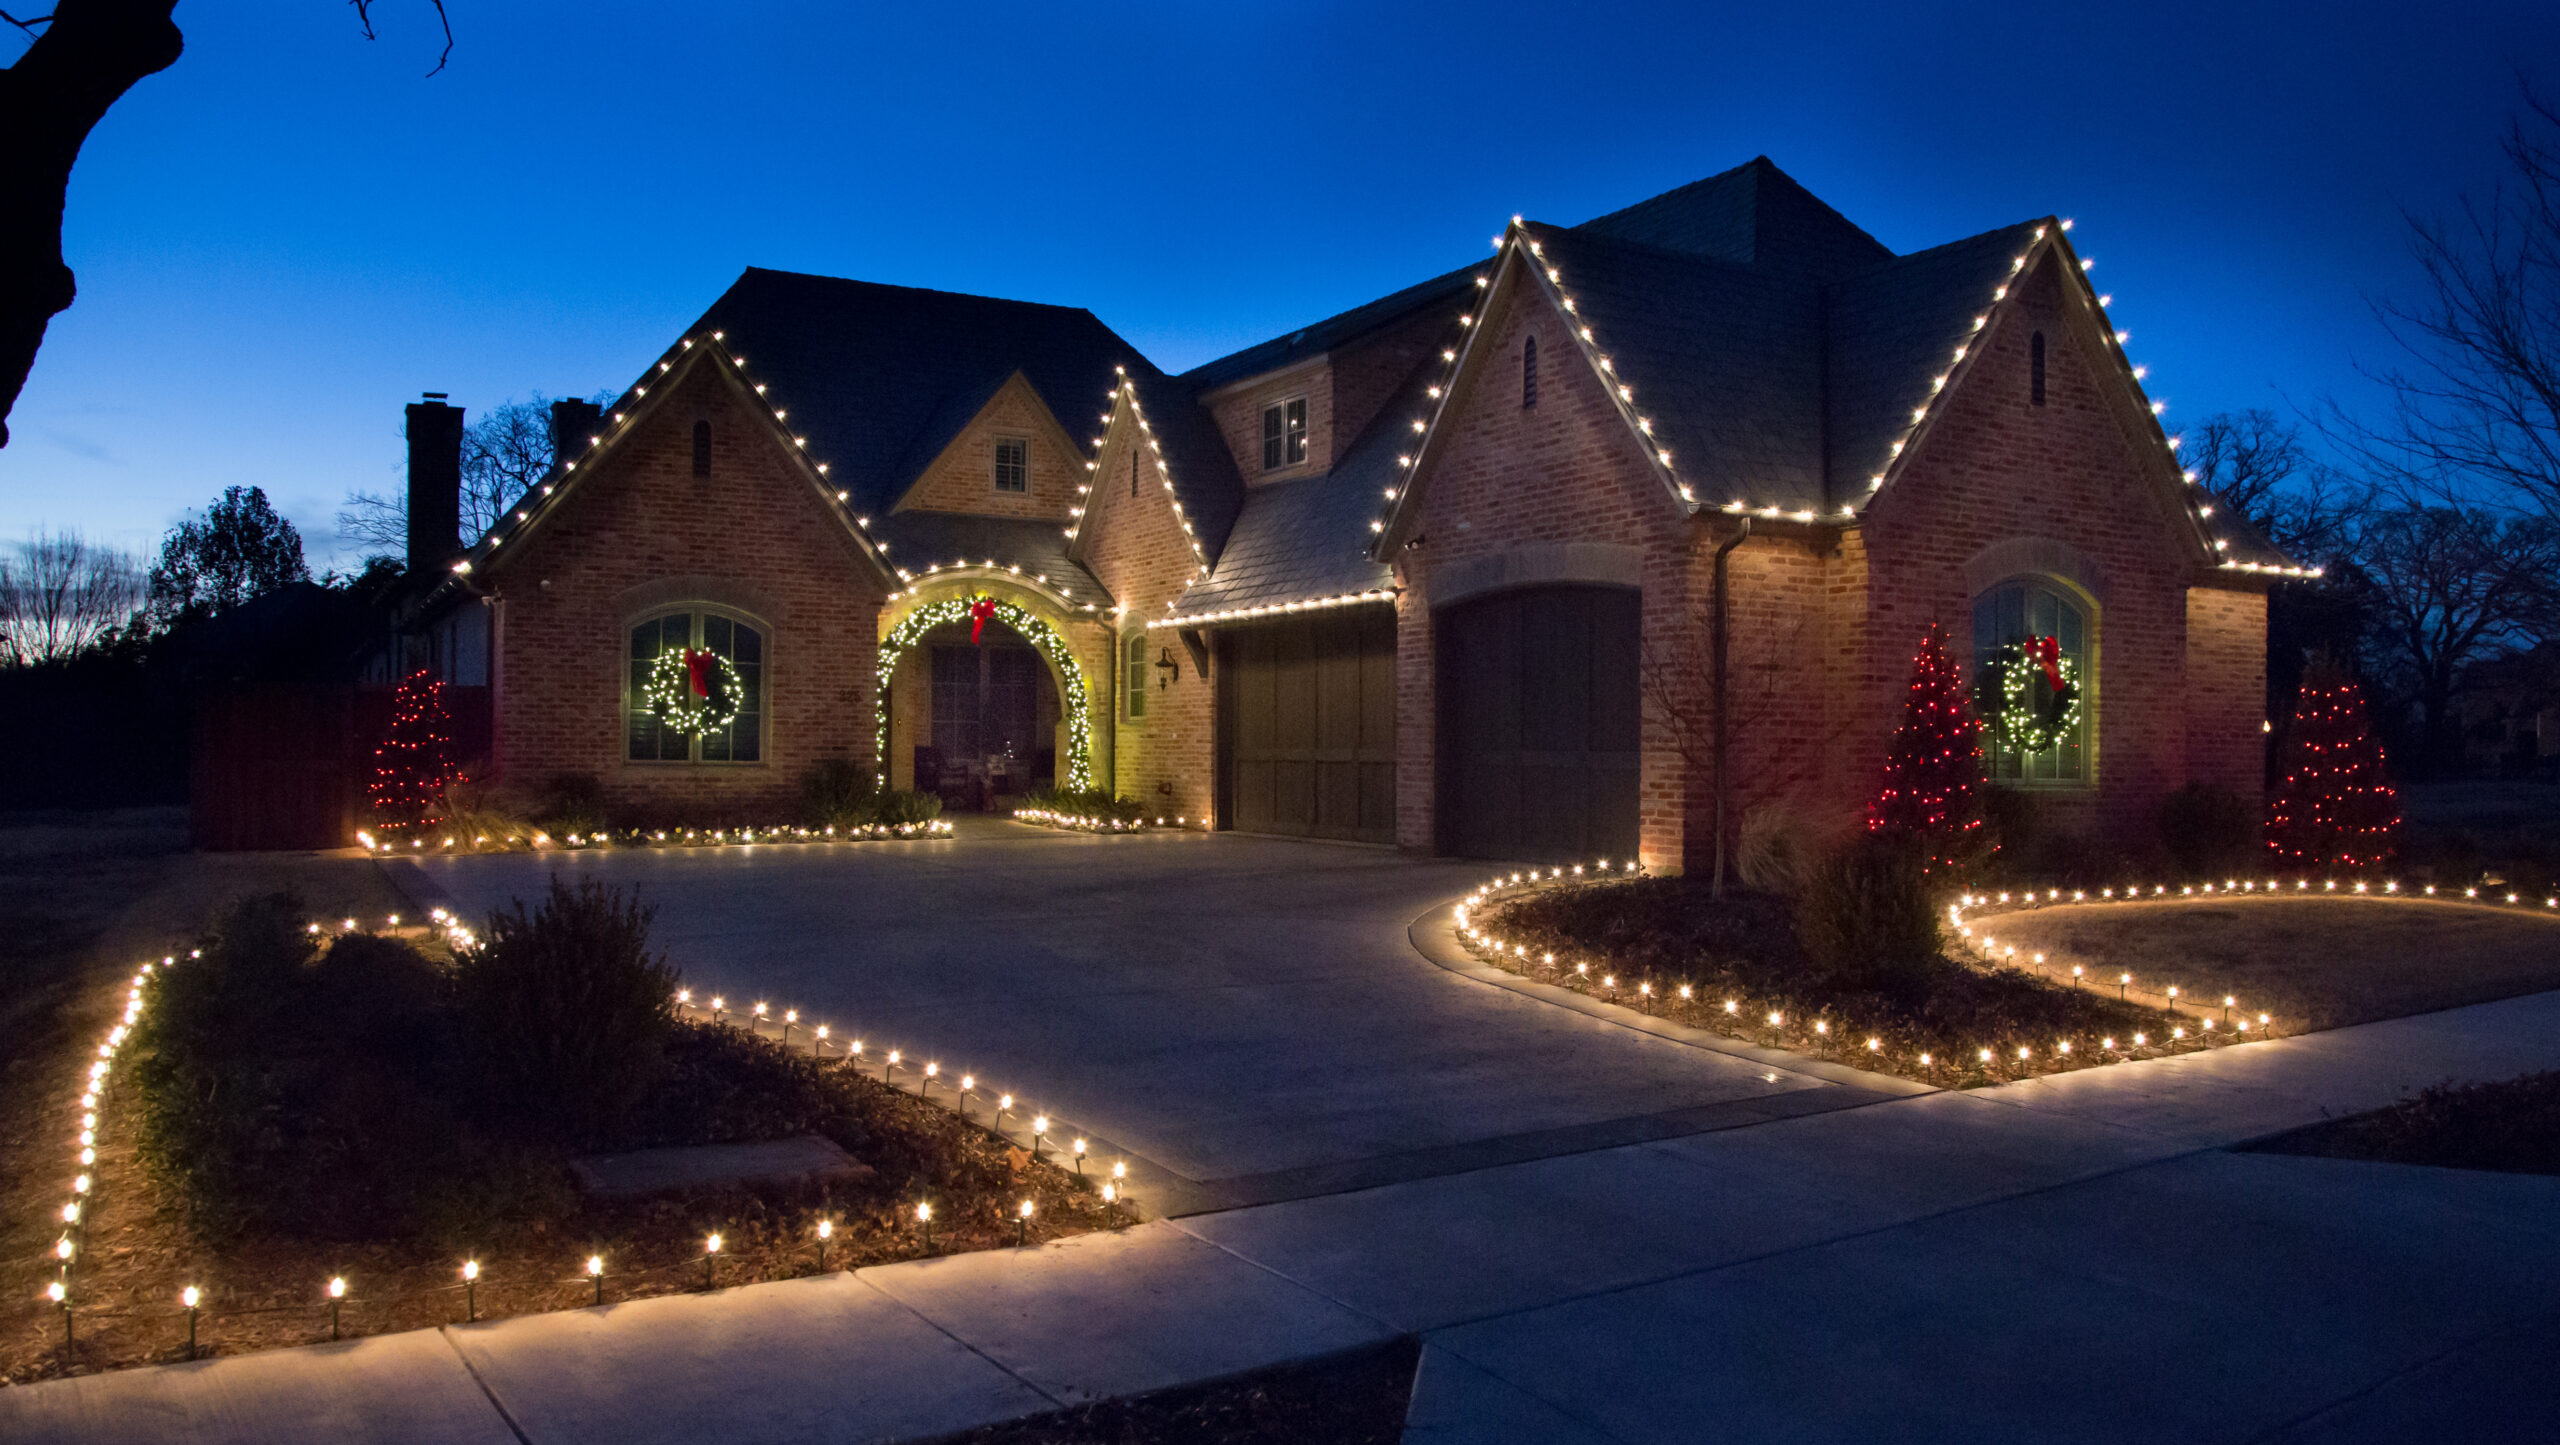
(2035, 368)
(2008, 622)
(651, 741)
(1529, 374)
(1133, 675)
(702, 449)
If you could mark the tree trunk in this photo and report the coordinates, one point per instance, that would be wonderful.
(86, 59)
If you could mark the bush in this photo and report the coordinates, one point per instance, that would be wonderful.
(473, 813)
(1868, 916)
(1085, 803)
(572, 803)
(837, 793)
(568, 1011)
(1775, 849)
(2211, 832)
(901, 806)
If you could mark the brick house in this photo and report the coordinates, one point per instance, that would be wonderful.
(1447, 571)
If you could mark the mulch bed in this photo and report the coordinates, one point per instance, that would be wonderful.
(1666, 946)
(1355, 1398)
(2511, 1127)
(266, 1291)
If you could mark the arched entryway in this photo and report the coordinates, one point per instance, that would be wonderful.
(1540, 728)
(981, 700)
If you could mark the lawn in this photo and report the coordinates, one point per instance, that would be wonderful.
(375, 1151)
(2311, 962)
(2512, 1127)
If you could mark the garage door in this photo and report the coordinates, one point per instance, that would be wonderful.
(1307, 726)
(1539, 724)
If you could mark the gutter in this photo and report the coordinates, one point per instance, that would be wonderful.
(1723, 740)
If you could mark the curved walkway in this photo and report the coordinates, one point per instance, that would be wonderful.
(2069, 1258)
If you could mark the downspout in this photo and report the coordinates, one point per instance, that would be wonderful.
(1723, 742)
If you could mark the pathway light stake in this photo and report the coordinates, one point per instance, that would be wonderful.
(931, 1073)
(470, 1290)
(968, 1083)
(1004, 1106)
(758, 1019)
(595, 1271)
(1111, 1206)
(60, 1294)
(1079, 1158)
(826, 1231)
(717, 1003)
(188, 1297)
(924, 1216)
(1022, 1226)
(1039, 1127)
(710, 1256)
(820, 1037)
(790, 1016)
(337, 1296)
(888, 1064)
(2123, 982)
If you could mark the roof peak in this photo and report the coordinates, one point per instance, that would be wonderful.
(1754, 213)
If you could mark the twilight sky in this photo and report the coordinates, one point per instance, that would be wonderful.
(290, 233)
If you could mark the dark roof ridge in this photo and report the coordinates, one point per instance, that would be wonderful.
(1372, 315)
(1085, 311)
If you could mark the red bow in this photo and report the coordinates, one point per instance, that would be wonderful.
(2047, 653)
(697, 667)
(979, 612)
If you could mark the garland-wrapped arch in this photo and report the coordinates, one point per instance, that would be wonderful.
(1035, 630)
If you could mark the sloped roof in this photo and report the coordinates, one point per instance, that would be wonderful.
(1755, 214)
(1725, 360)
(918, 540)
(1319, 337)
(1892, 331)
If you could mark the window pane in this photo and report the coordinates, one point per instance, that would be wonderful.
(1136, 669)
(1271, 442)
(1013, 464)
(1297, 432)
(648, 741)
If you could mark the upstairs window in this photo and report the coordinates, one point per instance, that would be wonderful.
(1133, 667)
(648, 740)
(1529, 374)
(1013, 464)
(702, 449)
(1284, 434)
(2035, 369)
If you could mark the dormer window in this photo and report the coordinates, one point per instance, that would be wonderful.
(1284, 434)
(1013, 464)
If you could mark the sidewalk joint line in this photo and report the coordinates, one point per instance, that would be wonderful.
(445, 1332)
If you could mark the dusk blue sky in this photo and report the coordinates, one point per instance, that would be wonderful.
(291, 233)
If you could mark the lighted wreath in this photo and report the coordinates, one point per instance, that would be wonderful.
(693, 690)
(1034, 630)
(2039, 696)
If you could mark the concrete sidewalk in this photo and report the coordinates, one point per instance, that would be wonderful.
(2072, 1257)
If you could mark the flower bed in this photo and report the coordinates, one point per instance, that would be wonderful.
(536, 839)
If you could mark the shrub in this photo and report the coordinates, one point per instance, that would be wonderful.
(1085, 803)
(1774, 850)
(1868, 916)
(572, 803)
(567, 1010)
(837, 793)
(473, 812)
(903, 806)
(2209, 831)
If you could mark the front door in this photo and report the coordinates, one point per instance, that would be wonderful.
(986, 715)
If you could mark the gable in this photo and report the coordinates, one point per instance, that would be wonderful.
(1131, 531)
(962, 476)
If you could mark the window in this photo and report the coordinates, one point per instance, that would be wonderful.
(650, 741)
(1013, 464)
(2035, 368)
(702, 449)
(1529, 374)
(2004, 618)
(1133, 669)
(1284, 434)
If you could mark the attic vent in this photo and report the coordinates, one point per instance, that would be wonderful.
(2035, 369)
(702, 449)
(1529, 373)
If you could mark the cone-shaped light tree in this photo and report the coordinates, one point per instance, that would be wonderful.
(1932, 790)
(2335, 809)
(414, 767)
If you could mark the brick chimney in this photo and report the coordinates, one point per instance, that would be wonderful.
(435, 485)
(572, 422)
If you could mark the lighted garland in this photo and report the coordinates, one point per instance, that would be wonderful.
(2032, 723)
(670, 699)
(928, 616)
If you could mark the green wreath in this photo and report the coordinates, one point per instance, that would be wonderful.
(671, 697)
(2034, 714)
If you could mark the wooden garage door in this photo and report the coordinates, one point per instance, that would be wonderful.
(1539, 724)
(1307, 726)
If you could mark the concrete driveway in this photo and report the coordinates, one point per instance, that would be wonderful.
(1244, 1013)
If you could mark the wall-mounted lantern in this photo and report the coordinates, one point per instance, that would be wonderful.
(1166, 668)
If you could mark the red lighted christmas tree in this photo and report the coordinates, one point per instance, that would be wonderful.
(413, 767)
(1933, 776)
(2335, 810)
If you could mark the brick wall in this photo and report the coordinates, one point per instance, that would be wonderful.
(1566, 471)
(962, 479)
(639, 533)
(2227, 689)
(1136, 547)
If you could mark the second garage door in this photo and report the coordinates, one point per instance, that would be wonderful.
(1307, 726)
(1539, 728)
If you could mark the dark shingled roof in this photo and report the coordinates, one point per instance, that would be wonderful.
(1755, 214)
(1323, 336)
(881, 378)
(1039, 547)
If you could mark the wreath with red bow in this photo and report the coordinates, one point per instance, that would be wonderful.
(693, 690)
(2039, 699)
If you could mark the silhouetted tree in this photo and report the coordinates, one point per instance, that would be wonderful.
(239, 549)
(80, 60)
(504, 454)
(60, 596)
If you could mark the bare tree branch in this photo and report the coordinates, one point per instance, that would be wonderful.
(364, 18)
(62, 596)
